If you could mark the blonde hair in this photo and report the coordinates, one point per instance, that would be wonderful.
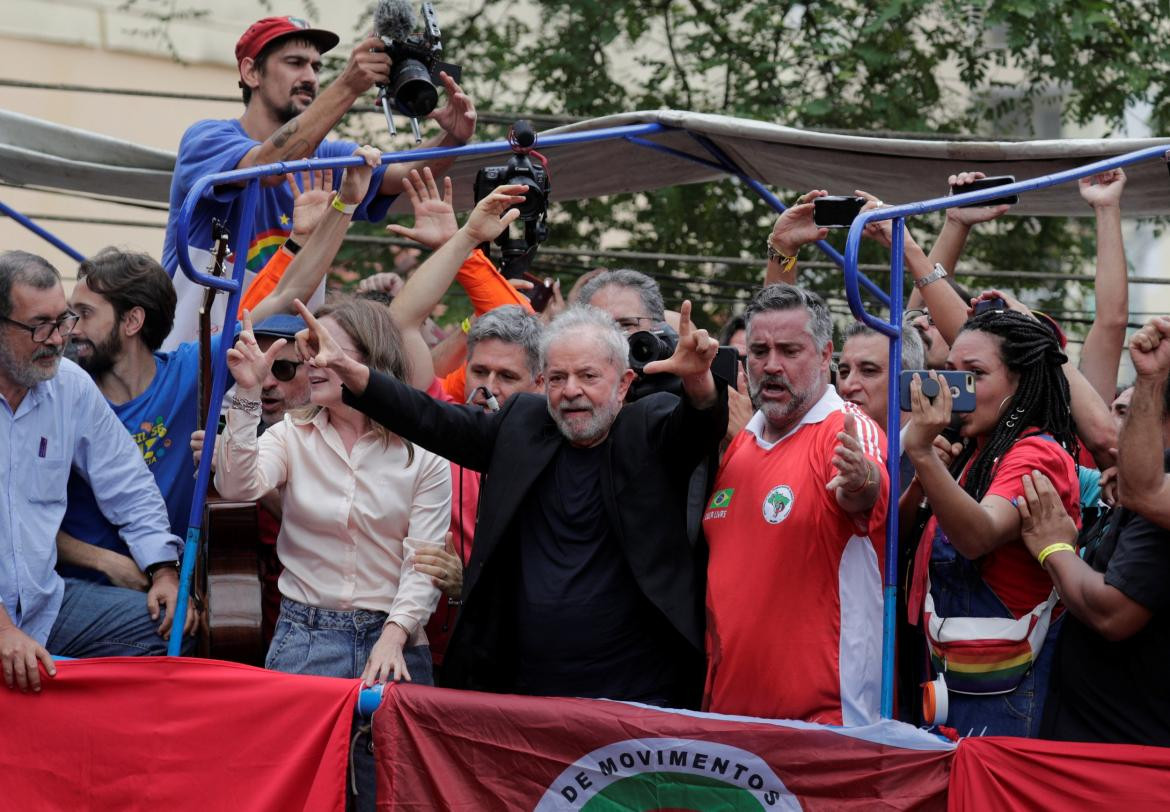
(377, 337)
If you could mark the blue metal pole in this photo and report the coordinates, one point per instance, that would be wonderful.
(243, 216)
(42, 233)
(894, 467)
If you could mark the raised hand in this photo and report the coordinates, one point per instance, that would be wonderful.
(248, 364)
(994, 293)
(457, 117)
(434, 216)
(880, 231)
(309, 200)
(387, 282)
(694, 353)
(795, 226)
(1103, 190)
(368, 64)
(355, 182)
(977, 214)
(1149, 349)
(494, 213)
(854, 470)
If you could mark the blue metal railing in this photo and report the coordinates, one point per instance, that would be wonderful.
(893, 330)
(44, 234)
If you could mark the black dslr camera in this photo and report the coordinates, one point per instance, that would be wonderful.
(647, 346)
(520, 169)
(415, 63)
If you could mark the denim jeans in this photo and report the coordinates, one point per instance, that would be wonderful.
(332, 643)
(97, 620)
(959, 591)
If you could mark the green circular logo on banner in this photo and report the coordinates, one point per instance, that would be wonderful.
(668, 774)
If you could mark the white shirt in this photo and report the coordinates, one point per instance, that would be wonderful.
(348, 519)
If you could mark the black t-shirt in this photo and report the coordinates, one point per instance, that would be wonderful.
(583, 625)
(1118, 692)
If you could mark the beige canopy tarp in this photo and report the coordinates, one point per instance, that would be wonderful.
(899, 170)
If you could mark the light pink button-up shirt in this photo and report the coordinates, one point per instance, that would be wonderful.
(349, 519)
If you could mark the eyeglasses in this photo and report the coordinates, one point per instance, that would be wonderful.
(914, 314)
(42, 331)
(629, 323)
(285, 370)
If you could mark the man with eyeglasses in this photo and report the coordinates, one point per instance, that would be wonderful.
(53, 420)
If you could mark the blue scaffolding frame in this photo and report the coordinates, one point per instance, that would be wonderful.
(242, 217)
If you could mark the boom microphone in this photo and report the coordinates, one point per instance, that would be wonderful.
(394, 19)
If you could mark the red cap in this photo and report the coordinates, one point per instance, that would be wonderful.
(262, 32)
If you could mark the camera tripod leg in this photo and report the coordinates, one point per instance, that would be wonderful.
(390, 116)
(417, 132)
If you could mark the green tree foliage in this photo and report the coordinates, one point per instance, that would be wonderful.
(906, 66)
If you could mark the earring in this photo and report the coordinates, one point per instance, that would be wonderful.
(1017, 413)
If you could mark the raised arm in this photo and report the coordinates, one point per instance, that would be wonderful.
(793, 229)
(1101, 354)
(312, 262)
(464, 436)
(1143, 485)
(300, 137)
(457, 120)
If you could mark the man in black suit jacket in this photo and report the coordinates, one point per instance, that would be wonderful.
(582, 581)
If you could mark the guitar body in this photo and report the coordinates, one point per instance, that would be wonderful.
(230, 572)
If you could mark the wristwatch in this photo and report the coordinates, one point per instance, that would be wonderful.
(158, 565)
(787, 263)
(938, 273)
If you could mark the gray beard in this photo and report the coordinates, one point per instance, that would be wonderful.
(27, 373)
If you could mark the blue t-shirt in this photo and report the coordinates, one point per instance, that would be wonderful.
(213, 146)
(160, 421)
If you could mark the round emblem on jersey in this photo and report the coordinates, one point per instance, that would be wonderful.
(778, 504)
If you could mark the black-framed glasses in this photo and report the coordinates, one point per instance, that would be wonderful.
(42, 331)
(285, 370)
(633, 323)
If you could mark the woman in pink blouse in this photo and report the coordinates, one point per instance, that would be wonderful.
(357, 503)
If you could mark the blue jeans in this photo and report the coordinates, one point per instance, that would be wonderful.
(97, 620)
(960, 591)
(332, 643)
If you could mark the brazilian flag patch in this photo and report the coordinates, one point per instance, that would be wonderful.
(721, 499)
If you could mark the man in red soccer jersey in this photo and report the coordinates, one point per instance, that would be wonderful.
(794, 601)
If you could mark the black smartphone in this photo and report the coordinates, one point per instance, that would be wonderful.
(995, 305)
(541, 293)
(836, 211)
(961, 384)
(988, 183)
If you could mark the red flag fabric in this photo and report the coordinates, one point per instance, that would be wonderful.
(161, 734)
(463, 751)
(1027, 774)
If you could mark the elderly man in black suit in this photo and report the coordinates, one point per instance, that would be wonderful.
(582, 581)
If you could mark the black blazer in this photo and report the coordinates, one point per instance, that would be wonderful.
(652, 449)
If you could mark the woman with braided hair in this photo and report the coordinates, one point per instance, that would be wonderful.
(971, 562)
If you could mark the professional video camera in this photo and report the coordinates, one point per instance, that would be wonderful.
(647, 346)
(415, 61)
(519, 253)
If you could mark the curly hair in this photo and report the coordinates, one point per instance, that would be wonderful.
(1031, 351)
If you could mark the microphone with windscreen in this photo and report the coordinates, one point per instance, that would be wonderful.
(415, 65)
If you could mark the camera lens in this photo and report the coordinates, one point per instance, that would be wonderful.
(534, 202)
(646, 347)
(414, 92)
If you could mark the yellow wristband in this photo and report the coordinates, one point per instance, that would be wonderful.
(344, 208)
(1059, 547)
(465, 325)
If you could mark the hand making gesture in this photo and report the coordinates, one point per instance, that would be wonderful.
(457, 117)
(1149, 349)
(434, 216)
(691, 360)
(248, 364)
(495, 213)
(854, 470)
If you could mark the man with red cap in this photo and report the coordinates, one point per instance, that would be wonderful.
(286, 118)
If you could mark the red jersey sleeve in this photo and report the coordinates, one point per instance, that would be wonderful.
(873, 444)
(266, 281)
(1038, 453)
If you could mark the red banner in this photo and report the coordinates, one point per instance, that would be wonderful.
(159, 734)
(487, 752)
(1027, 774)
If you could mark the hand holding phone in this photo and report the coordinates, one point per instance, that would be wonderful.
(961, 384)
(836, 211)
(541, 293)
(980, 184)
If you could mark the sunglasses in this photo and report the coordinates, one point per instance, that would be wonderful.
(285, 370)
